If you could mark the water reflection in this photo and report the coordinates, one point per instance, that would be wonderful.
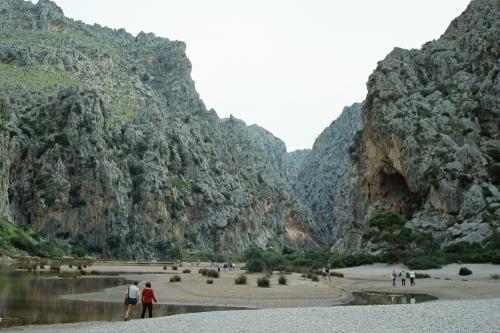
(32, 298)
(374, 298)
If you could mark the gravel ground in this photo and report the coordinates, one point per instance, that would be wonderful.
(451, 316)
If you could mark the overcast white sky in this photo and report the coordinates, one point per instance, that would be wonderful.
(289, 66)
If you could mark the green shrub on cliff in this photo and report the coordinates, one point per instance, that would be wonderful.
(16, 241)
(167, 250)
(387, 221)
(338, 260)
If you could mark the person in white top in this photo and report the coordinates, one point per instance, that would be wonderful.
(132, 298)
(412, 278)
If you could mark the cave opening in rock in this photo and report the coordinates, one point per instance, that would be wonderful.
(396, 194)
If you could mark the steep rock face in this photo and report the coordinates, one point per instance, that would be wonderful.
(106, 143)
(430, 147)
(293, 162)
(323, 180)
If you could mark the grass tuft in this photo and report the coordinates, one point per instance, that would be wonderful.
(175, 278)
(263, 282)
(242, 279)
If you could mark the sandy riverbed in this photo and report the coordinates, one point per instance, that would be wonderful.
(444, 283)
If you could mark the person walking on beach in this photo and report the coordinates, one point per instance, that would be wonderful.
(148, 296)
(133, 294)
(403, 278)
(394, 277)
(327, 273)
(412, 278)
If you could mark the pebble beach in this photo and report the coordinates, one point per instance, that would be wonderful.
(450, 316)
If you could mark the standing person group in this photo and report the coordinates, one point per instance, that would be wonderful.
(132, 299)
(229, 266)
(404, 276)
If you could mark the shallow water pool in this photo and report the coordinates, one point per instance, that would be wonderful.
(379, 298)
(33, 298)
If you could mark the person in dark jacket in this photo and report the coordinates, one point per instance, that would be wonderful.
(148, 296)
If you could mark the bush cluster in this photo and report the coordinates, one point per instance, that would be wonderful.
(282, 280)
(388, 229)
(464, 271)
(210, 281)
(422, 276)
(242, 279)
(212, 273)
(338, 260)
(259, 260)
(255, 265)
(425, 262)
(263, 282)
(186, 271)
(175, 278)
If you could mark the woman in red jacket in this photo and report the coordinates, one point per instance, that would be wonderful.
(148, 296)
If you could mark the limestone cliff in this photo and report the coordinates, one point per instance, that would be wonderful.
(431, 142)
(323, 180)
(106, 143)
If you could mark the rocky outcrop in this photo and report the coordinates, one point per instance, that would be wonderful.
(430, 146)
(106, 143)
(323, 180)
